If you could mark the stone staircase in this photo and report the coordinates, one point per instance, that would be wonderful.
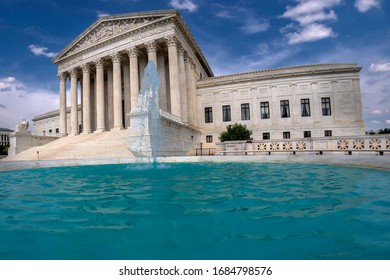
(102, 145)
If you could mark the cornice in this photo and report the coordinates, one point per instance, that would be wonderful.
(277, 73)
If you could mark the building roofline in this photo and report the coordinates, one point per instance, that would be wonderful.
(284, 72)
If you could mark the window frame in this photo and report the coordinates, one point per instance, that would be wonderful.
(264, 110)
(305, 107)
(285, 108)
(326, 106)
(226, 112)
(285, 134)
(209, 138)
(245, 112)
(208, 114)
(266, 134)
(307, 134)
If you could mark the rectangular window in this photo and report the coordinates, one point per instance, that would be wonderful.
(284, 108)
(286, 135)
(307, 134)
(264, 110)
(266, 136)
(209, 138)
(305, 107)
(226, 113)
(328, 133)
(57, 130)
(245, 114)
(208, 114)
(325, 103)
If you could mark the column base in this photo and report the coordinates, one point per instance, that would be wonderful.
(73, 133)
(86, 132)
(99, 130)
(117, 128)
(63, 134)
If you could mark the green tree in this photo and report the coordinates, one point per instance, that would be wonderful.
(235, 132)
(384, 131)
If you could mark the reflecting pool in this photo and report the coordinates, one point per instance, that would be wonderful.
(195, 211)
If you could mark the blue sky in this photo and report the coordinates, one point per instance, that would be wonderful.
(235, 36)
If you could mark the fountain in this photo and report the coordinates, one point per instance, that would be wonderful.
(147, 115)
(153, 132)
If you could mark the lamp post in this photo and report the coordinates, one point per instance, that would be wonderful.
(201, 147)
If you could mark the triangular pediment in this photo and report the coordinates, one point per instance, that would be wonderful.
(111, 26)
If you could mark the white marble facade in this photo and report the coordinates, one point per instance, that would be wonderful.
(103, 67)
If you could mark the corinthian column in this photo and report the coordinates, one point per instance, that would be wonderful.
(63, 117)
(117, 89)
(174, 81)
(183, 87)
(134, 79)
(86, 99)
(151, 46)
(190, 93)
(74, 120)
(100, 123)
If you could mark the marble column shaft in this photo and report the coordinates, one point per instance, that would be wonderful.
(183, 87)
(174, 81)
(63, 114)
(117, 89)
(86, 99)
(190, 93)
(100, 118)
(74, 124)
(134, 77)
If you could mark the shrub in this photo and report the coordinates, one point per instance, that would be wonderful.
(235, 132)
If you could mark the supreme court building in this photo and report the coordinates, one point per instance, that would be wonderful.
(104, 66)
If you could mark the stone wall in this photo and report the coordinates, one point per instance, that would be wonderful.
(21, 141)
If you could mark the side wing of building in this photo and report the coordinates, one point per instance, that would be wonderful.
(294, 102)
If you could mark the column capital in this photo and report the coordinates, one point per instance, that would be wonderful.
(181, 50)
(171, 40)
(132, 52)
(86, 68)
(151, 46)
(73, 73)
(115, 57)
(62, 76)
(187, 58)
(99, 63)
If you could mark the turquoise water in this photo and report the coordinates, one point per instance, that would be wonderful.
(195, 211)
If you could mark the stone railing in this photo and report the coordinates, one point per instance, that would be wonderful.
(374, 143)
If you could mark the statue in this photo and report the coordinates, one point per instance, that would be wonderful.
(21, 126)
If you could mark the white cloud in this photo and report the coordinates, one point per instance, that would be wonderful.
(184, 5)
(375, 122)
(365, 5)
(311, 15)
(379, 67)
(255, 26)
(20, 101)
(387, 121)
(310, 33)
(41, 51)
(376, 112)
(100, 14)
